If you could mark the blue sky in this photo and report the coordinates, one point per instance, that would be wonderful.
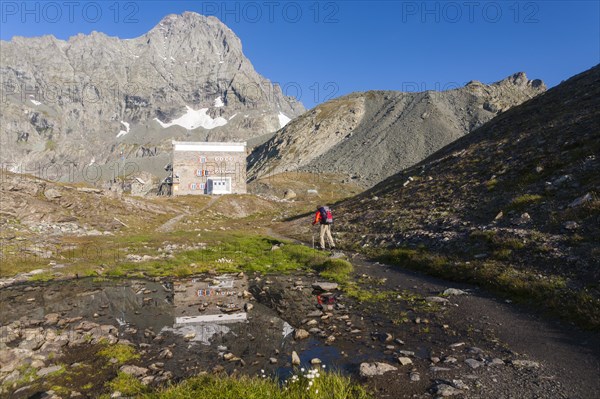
(318, 50)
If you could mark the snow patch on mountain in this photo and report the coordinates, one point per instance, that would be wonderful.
(283, 120)
(124, 132)
(193, 119)
(33, 100)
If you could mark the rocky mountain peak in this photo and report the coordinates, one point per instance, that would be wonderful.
(520, 79)
(187, 79)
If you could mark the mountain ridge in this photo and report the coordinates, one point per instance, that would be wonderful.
(342, 135)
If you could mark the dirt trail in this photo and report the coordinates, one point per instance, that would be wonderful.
(169, 225)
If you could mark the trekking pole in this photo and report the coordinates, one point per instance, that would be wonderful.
(313, 240)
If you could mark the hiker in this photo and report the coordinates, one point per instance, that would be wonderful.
(324, 217)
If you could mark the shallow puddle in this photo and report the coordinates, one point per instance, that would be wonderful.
(198, 320)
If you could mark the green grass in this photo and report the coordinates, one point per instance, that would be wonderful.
(502, 254)
(127, 385)
(486, 235)
(353, 290)
(42, 277)
(497, 242)
(225, 252)
(414, 259)
(123, 353)
(523, 201)
(338, 270)
(491, 184)
(327, 385)
(510, 243)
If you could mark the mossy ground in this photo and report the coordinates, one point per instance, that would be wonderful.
(122, 353)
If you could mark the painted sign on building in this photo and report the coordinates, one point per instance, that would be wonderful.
(211, 168)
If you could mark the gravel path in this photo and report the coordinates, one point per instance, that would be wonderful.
(569, 358)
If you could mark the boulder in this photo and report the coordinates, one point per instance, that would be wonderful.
(51, 318)
(525, 363)
(12, 377)
(474, 363)
(571, 225)
(134, 370)
(295, 359)
(301, 334)
(405, 361)
(289, 194)
(446, 390)
(376, 368)
(436, 299)
(165, 354)
(52, 193)
(453, 291)
(325, 286)
(87, 326)
(48, 370)
(581, 200)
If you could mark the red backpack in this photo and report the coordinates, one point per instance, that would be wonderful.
(326, 216)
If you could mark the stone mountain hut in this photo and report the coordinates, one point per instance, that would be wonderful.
(210, 168)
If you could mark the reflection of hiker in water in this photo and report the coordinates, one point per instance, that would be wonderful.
(324, 217)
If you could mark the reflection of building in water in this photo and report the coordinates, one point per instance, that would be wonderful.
(204, 307)
(209, 297)
(203, 332)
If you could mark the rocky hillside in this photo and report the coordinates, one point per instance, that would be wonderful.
(370, 136)
(95, 98)
(36, 214)
(515, 205)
